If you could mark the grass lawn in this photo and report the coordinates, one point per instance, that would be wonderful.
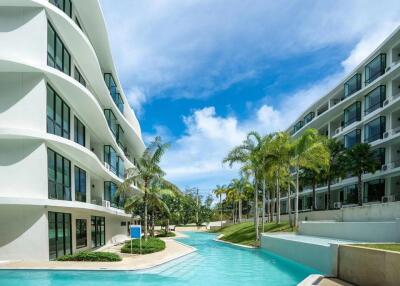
(244, 233)
(383, 246)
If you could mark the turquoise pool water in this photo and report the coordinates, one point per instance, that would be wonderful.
(213, 264)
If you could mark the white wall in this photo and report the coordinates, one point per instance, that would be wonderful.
(388, 231)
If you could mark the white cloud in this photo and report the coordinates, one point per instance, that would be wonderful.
(136, 99)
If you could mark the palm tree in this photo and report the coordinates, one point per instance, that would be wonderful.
(232, 196)
(218, 192)
(248, 154)
(148, 174)
(309, 152)
(361, 159)
(336, 166)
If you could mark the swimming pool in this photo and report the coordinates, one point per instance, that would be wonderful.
(213, 264)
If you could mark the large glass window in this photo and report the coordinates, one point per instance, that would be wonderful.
(59, 176)
(112, 87)
(298, 126)
(81, 233)
(309, 117)
(379, 154)
(80, 185)
(78, 76)
(98, 230)
(112, 121)
(352, 138)
(110, 194)
(58, 115)
(64, 5)
(375, 68)
(121, 137)
(121, 168)
(60, 239)
(352, 113)
(374, 129)
(375, 99)
(110, 157)
(57, 55)
(79, 132)
(352, 85)
(350, 195)
(374, 190)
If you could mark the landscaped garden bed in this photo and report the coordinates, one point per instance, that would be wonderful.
(163, 233)
(91, 256)
(151, 245)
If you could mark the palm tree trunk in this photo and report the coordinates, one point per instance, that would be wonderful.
(328, 196)
(290, 207)
(256, 206)
(145, 212)
(314, 196)
(240, 210)
(278, 194)
(263, 209)
(220, 203)
(152, 222)
(296, 203)
(360, 191)
(233, 212)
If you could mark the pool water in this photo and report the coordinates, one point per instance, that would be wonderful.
(213, 263)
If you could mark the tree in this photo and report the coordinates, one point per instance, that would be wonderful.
(218, 192)
(309, 152)
(147, 174)
(336, 167)
(360, 159)
(248, 154)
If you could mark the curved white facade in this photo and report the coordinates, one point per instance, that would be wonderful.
(364, 107)
(67, 132)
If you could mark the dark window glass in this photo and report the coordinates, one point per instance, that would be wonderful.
(64, 5)
(375, 68)
(352, 85)
(298, 126)
(110, 194)
(98, 231)
(79, 132)
(81, 233)
(58, 115)
(59, 176)
(352, 138)
(121, 168)
(352, 113)
(121, 137)
(112, 121)
(380, 155)
(374, 129)
(374, 190)
(110, 157)
(80, 185)
(60, 240)
(350, 195)
(309, 117)
(57, 55)
(112, 87)
(78, 76)
(375, 99)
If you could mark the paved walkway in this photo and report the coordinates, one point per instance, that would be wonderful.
(173, 250)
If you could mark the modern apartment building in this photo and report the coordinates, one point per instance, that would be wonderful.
(364, 107)
(67, 133)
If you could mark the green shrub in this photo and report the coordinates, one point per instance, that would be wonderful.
(91, 256)
(151, 245)
(163, 233)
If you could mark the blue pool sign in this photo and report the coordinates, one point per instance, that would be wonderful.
(136, 231)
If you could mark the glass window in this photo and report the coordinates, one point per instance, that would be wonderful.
(81, 233)
(380, 155)
(121, 137)
(59, 176)
(60, 240)
(352, 113)
(110, 157)
(350, 195)
(110, 194)
(112, 87)
(64, 5)
(375, 99)
(57, 55)
(374, 129)
(112, 121)
(121, 168)
(298, 126)
(80, 184)
(352, 138)
(98, 231)
(78, 76)
(58, 115)
(309, 117)
(375, 68)
(352, 85)
(79, 132)
(374, 190)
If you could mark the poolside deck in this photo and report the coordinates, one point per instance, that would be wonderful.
(173, 250)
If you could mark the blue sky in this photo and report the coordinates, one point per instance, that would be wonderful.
(202, 73)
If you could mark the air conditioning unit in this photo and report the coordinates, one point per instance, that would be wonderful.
(107, 165)
(387, 199)
(386, 134)
(338, 130)
(106, 204)
(386, 102)
(337, 205)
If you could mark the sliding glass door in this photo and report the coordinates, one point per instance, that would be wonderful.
(60, 239)
(98, 226)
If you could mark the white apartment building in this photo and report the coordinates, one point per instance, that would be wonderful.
(67, 132)
(364, 107)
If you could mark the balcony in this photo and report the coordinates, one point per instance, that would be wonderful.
(352, 114)
(309, 117)
(352, 138)
(352, 85)
(375, 68)
(112, 121)
(375, 99)
(115, 95)
(298, 126)
(374, 129)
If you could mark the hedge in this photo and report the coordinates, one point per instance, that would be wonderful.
(152, 244)
(91, 256)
